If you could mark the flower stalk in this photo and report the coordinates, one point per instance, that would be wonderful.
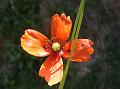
(75, 34)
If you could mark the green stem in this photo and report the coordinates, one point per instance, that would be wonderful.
(80, 21)
(76, 30)
(75, 24)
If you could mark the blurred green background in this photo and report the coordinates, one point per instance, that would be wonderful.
(19, 70)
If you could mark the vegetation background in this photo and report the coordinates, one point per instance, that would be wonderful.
(19, 70)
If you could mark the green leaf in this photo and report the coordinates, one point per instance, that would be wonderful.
(74, 37)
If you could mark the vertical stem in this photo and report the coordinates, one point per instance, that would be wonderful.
(75, 24)
(76, 30)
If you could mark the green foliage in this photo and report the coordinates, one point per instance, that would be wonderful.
(21, 69)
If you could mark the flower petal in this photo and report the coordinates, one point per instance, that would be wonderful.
(52, 69)
(35, 43)
(82, 51)
(60, 28)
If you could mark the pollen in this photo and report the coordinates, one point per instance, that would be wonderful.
(56, 46)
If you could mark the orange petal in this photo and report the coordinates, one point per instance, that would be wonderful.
(52, 69)
(60, 28)
(35, 43)
(82, 51)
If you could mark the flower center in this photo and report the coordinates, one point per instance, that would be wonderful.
(56, 46)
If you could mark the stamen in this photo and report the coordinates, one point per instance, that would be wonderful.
(56, 46)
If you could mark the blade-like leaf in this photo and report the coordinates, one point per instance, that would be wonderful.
(76, 30)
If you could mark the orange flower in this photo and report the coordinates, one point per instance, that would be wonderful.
(39, 45)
